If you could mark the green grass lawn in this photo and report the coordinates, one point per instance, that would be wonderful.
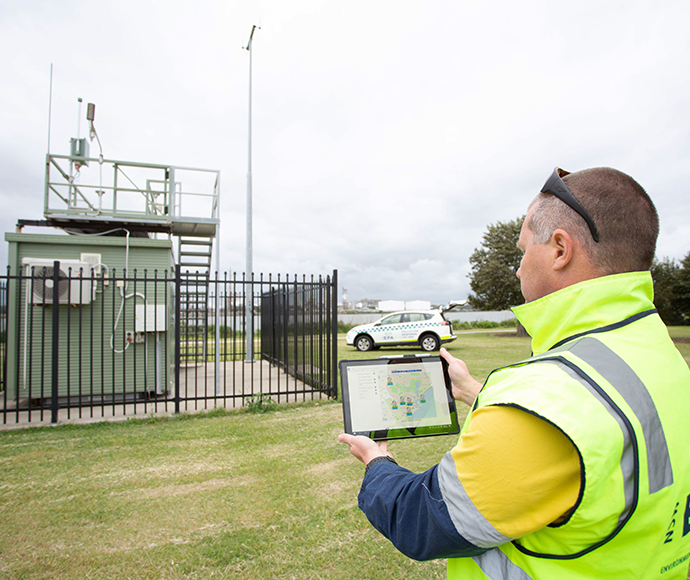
(223, 495)
(482, 350)
(229, 496)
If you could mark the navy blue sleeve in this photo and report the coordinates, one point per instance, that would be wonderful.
(408, 509)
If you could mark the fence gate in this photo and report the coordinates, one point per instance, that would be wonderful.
(75, 348)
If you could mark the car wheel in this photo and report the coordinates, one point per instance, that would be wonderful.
(364, 343)
(429, 342)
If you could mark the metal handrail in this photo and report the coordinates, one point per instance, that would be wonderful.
(82, 192)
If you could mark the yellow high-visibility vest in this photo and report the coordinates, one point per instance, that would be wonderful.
(607, 375)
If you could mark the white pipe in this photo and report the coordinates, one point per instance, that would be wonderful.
(217, 337)
(26, 324)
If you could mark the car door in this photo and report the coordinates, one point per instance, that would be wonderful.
(412, 326)
(390, 329)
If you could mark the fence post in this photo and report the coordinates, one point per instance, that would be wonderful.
(56, 343)
(4, 312)
(178, 315)
(334, 306)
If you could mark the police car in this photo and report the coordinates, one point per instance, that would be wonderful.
(426, 328)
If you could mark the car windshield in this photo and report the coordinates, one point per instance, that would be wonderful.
(393, 319)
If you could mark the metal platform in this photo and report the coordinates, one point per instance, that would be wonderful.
(101, 194)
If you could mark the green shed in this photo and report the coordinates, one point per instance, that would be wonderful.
(114, 328)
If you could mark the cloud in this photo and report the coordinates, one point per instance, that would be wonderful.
(386, 136)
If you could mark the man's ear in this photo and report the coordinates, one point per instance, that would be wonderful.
(562, 245)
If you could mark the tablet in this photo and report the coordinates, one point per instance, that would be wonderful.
(398, 397)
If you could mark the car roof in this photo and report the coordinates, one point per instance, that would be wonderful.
(410, 312)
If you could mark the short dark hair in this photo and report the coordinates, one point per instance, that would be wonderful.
(624, 214)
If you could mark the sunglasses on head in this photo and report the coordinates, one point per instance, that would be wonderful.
(555, 186)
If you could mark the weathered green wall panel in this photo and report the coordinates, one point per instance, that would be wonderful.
(95, 361)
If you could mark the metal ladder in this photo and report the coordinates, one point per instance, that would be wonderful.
(194, 255)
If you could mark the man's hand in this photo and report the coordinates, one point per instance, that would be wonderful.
(363, 448)
(465, 388)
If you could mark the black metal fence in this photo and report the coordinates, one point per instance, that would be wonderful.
(103, 345)
(297, 334)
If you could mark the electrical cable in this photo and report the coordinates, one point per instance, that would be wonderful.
(123, 288)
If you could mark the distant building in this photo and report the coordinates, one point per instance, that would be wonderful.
(418, 305)
(391, 305)
(395, 305)
(367, 304)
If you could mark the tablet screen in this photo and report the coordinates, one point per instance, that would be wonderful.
(398, 397)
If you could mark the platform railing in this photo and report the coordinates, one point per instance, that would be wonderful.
(88, 188)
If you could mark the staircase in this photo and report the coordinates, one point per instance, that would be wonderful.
(194, 256)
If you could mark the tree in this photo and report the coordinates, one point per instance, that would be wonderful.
(665, 274)
(494, 266)
(682, 290)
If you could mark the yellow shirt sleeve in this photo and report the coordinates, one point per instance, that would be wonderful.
(521, 472)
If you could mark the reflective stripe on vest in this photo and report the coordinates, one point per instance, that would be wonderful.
(496, 565)
(617, 372)
(630, 457)
(468, 520)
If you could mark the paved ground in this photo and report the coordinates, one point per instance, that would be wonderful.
(196, 383)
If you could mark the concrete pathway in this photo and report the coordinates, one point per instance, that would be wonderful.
(198, 390)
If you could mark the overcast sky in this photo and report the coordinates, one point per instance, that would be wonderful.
(386, 134)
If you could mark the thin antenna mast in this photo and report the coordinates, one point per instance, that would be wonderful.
(79, 100)
(50, 104)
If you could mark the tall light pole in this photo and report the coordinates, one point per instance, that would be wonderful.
(249, 275)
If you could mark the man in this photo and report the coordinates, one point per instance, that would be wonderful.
(574, 463)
